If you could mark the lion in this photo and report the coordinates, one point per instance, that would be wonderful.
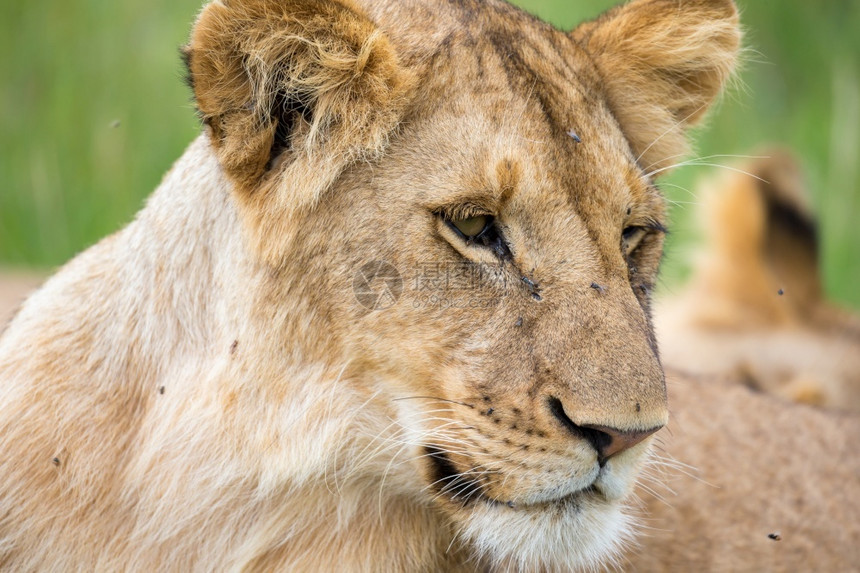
(742, 480)
(755, 310)
(213, 387)
(746, 481)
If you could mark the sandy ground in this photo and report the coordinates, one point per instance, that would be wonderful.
(14, 288)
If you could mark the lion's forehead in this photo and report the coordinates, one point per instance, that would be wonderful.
(420, 27)
(499, 63)
(501, 88)
(479, 48)
(533, 99)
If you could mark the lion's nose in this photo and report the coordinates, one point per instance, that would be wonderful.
(610, 441)
(606, 440)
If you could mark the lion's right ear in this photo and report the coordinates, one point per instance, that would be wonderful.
(292, 92)
(663, 62)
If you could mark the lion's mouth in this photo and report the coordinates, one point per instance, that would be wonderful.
(457, 486)
(572, 500)
(462, 489)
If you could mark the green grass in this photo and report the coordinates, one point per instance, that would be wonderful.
(94, 111)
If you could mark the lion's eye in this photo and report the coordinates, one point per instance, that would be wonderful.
(478, 231)
(472, 227)
(631, 237)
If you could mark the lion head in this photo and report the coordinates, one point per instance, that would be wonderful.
(492, 177)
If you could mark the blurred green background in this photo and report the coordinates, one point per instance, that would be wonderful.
(93, 111)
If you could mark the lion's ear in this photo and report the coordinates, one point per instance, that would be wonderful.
(663, 63)
(292, 92)
(763, 215)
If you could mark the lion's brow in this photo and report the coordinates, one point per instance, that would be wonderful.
(508, 174)
(484, 192)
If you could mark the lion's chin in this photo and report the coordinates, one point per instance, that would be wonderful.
(579, 532)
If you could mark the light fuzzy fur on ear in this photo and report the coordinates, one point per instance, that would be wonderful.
(664, 62)
(292, 91)
(760, 223)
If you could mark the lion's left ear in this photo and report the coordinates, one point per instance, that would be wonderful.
(292, 92)
(663, 63)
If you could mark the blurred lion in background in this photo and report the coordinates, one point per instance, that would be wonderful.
(744, 480)
(755, 309)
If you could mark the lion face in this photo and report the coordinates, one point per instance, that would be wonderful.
(492, 182)
(521, 345)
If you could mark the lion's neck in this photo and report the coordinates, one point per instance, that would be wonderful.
(197, 376)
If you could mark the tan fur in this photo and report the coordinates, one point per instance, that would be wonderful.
(737, 466)
(731, 320)
(204, 390)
